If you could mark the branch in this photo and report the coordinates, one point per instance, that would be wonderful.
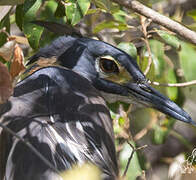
(131, 156)
(190, 83)
(159, 19)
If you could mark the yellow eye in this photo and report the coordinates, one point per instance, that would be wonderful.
(108, 66)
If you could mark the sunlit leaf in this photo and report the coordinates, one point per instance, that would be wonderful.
(110, 24)
(187, 61)
(169, 39)
(75, 10)
(129, 48)
(32, 31)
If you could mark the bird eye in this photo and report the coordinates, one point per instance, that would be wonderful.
(108, 66)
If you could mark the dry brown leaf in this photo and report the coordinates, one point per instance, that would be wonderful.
(6, 51)
(5, 83)
(17, 64)
(19, 39)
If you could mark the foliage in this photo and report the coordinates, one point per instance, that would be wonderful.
(173, 60)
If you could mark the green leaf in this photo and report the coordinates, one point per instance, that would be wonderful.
(49, 10)
(157, 50)
(129, 48)
(5, 22)
(172, 92)
(192, 14)
(159, 134)
(93, 11)
(134, 168)
(110, 24)
(187, 61)
(32, 31)
(19, 15)
(121, 121)
(60, 10)
(76, 10)
(120, 16)
(103, 4)
(169, 39)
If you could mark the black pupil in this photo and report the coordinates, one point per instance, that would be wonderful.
(108, 65)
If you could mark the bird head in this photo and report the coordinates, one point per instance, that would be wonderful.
(112, 71)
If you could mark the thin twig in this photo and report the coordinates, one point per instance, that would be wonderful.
(149, 56)
(131, 156)
(48, 163)
(190, 83)
(3, 30)
(144, 25)
(158, 18)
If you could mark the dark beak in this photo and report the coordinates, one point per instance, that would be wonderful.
(148, 96)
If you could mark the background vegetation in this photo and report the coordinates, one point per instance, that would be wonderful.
(156, 146)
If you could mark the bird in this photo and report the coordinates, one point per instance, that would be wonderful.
(60, 109)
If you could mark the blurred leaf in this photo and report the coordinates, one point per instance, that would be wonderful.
(187, 61)
(5, 22)
(50, 8)
(120, 16)
(121, 121)
(32, 31)
(60, 10)
(169, 39)
(110, 24)
(85, 171)
(19, 15)
(192, 14)
(5, 84)
(159, 134)
(129, 48)
(17, 64)
(157, 49)
(172, 92)
(103, 4)
(75, 10)
(134, 168)
(93, 11)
